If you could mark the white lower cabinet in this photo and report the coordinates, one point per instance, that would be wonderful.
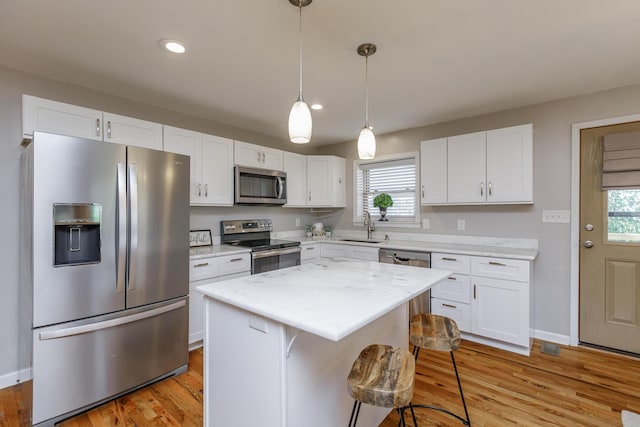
(208, 270)
(362, 253)
(329, 250)
(488, 297)
(309, 251)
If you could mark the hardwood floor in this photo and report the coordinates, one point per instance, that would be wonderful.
(581, 387)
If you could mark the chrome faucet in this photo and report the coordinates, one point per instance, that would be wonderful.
(370, 225)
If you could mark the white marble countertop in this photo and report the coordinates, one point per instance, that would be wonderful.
(215, 250)
(330, 298)
(528, 254)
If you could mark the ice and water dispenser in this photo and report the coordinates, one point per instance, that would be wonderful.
(76, 233)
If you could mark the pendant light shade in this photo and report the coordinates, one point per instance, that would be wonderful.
(366, 144)
(366, 140)
(300, 125)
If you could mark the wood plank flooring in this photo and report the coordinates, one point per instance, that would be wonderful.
(581, 387)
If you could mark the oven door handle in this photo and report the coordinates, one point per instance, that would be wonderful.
(265, 254)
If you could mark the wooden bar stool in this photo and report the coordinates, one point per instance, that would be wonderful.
(383, 376)
(440, 333)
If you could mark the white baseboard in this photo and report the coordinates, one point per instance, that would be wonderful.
(552, 337)
(13, 378)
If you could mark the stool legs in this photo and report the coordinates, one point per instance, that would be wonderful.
(467, 421)
(356, 411)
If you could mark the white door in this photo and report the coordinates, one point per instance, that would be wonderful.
(433, 171)
(187, 142)
(510, 164)
(130, 131)
(295, 165)
(319, 181)
(217, 170)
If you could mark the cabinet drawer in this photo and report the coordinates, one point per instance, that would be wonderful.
(366, 254)
(456, 263)
(309, 252)
(333, 251)
(234, 264)
(459, 312)
(500, 268)
(456, 287)
(203, 268)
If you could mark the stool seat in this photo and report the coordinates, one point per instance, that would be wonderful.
(434, 332)
(383, 376)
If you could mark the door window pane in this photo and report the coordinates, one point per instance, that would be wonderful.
(623, 215)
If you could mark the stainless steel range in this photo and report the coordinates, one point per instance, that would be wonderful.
(267, 254)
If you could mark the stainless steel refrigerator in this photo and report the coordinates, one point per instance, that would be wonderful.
(105, 272)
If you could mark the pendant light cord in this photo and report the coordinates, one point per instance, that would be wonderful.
(300, 38)
(366, 90)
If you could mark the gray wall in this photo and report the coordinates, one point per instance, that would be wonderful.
(551, 188)
(12, 85)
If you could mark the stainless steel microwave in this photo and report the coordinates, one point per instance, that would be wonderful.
(260, 186)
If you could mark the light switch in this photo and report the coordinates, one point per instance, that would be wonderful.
(556, 216)
(426, 224)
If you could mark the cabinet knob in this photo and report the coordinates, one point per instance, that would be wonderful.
(109, 129)
(97, 127)
(199, 190)
(482, 188)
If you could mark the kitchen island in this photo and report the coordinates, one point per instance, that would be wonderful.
(278, 346)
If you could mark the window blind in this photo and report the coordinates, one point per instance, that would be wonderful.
(621, 161)
(395, 177)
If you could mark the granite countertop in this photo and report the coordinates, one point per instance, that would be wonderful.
(216, 250)
(452, 248)
(330, 298)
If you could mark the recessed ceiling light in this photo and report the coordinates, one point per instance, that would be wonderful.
(316, 106)
(173, 45)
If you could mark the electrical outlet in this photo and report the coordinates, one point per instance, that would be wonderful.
(556, 216)
(462, 224)
(426, 224)
(297, 222)
(258, 323)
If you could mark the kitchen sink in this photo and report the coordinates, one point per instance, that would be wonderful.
(362, 240)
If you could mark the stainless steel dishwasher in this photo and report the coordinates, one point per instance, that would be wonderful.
(421, 303)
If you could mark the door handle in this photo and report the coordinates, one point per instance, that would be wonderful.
(588, 244)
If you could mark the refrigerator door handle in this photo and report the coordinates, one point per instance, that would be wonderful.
(92, 327)
(133, 226)
(121, 228)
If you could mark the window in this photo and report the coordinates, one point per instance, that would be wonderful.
(395, 175)
(623, 215)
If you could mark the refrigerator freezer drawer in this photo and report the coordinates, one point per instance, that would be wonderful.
(78, 365)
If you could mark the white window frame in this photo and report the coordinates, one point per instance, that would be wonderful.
(358, 219)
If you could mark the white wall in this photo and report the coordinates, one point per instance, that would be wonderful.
(552, 188)
(12, 85)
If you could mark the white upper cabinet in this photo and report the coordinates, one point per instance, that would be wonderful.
(257, 156)
(57, 117)
(44, 115)
(510, 164)
(130, 131)
(326, 181)
(466, 168)
(486, 167)
(433, 171)
(211, 164)
(295, 165)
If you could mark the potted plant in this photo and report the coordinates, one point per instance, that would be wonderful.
(383, 201)
(308, 229)
(328, 229)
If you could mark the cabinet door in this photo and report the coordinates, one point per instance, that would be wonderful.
(217, 171)
(130, 131)
(309, 252)
(362, 253)
(500, 310)
(272, 159)
(338, 173)
(57, 117)
(329, 250)
(510, 164)
(433, 171)
(187, 142)
(245, 154)
(466, 168)
(295, 165)
(319, 182)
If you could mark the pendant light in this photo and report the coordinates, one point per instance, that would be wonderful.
(300, 116)
(366, 140)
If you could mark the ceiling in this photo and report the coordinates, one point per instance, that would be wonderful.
(437, 60)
